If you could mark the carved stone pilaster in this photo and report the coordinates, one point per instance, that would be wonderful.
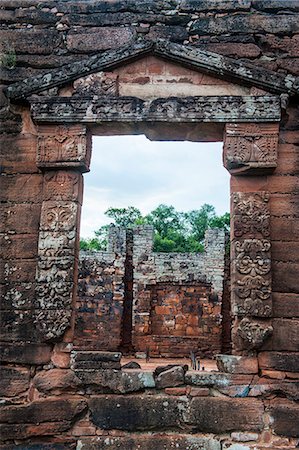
(57, 252)
(66, 146)
(250, 149)
(251, 265)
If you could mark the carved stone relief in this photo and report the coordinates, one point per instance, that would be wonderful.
(253, 333)
(250, 148)
(63, 146)
(251, 262)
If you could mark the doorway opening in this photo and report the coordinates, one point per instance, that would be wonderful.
(145, 288)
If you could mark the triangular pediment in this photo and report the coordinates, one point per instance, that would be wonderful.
(220, 71)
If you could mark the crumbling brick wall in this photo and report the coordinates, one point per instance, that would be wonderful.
(163, 283)
(100, 302)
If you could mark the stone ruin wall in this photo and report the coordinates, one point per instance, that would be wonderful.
(164, 283)
(176, 298)
(52, 402)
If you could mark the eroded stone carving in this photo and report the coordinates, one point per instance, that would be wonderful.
(55, 295)
(51, 324)
(251, 214)
(253, 333)
(58, 216)
(251, 252)
(63, 146)
(62, 185)
(250, 148)
(172, 109)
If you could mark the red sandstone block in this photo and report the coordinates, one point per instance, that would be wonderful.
(199, 392)
(21, 188)
(13, 381)
(236, 50)
(56, 381)
(18, 246)
(18, 154)
(25, 353)
(285, 277)
(20, 218)
(284, 229)
(176, 390)
(17, 295)
(285, 415)
(289, 137)
(98, 38)
(17, 270)
(36, 42)
(279, 361)
(284, 205)
(285, 251)
(285, 305)
(285, 335)
(276, 374)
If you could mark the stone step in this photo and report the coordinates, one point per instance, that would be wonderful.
(95, 360)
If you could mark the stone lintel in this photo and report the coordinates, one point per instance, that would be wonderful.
(173, 109)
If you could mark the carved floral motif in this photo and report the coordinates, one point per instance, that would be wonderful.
(251, 252)
(58, 216)
(251, 214)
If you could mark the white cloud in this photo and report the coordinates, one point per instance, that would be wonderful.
(133, 171)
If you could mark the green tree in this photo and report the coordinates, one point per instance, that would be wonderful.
(174, 231)
(125, 217)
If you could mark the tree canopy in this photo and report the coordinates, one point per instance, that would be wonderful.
(174, 231)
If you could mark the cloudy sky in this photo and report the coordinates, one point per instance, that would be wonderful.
(133, 171)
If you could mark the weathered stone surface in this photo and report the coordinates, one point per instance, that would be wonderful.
(13, 381)
(170, 378)
(216, 5)
(128, 109)
(285, 335)
(211, 379)
(285, 415)
(131, 365)
(250, 148)
(288, 362)
(25, 353)
(56, 381)
(137, 413)
(95, 360)
(209, 62)
(254, 23)
(8, 432)
(16, 295)
(275, 5)
(285, 305)
(220, 415)
(40, 42)
(99, 39)
(40, 411)
(116, 381)
(63, 146)
(237, 364)
(150, 442)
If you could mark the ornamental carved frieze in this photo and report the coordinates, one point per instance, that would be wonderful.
(58, 216)
(250, 148)
(63, 146)
(251, 255)
(57, 252)
(101, 83)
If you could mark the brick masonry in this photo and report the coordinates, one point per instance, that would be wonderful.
(44, 402)
(176, 299)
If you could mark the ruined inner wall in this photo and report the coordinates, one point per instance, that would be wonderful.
(45, 400)
(177, 297)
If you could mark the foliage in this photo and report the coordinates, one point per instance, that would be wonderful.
(8, 57)
(174, 231)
